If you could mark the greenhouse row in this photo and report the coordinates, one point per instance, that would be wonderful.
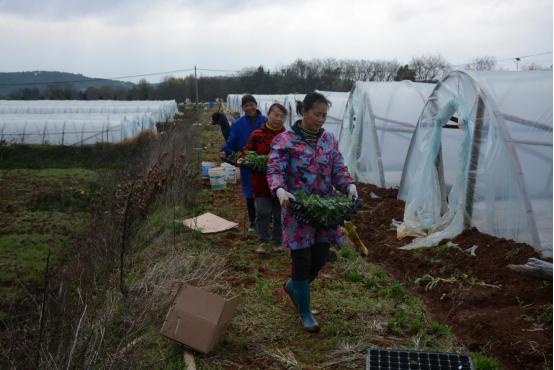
(76, 122)
(473, 150)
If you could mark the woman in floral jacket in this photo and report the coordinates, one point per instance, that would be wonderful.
(306, 158)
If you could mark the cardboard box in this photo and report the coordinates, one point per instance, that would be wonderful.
(198, 318)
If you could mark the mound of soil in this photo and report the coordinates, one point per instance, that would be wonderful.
(490, 308)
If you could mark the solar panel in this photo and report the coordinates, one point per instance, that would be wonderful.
(385, 359)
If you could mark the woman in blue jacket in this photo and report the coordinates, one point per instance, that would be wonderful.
(238, 137)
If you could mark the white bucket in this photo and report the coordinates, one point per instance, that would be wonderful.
(205, 167)
(217, 178)
(230, 173)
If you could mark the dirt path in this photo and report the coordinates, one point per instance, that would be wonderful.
(489, 307)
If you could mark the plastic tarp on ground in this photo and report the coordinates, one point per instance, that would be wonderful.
(378, 124)
(494, 172)
(75, 122)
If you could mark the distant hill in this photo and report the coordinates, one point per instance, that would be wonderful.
(13, 81)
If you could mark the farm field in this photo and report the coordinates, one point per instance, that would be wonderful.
(114, 315)
(41, 210)
(488, 306)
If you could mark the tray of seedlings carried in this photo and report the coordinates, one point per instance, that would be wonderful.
(252, 160)
(256, 162)
(324, 212)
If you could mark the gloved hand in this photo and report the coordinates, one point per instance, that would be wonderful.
(352, 192)
(284, 197)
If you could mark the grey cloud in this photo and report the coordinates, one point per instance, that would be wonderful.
(68, 9)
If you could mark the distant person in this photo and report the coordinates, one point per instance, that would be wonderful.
(268, 210)
(220, 119)
(307, 158)
(240, 132)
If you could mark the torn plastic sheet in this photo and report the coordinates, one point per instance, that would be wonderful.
(423, 206)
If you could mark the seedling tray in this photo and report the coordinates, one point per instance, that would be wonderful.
(385, 359)
(303, 218)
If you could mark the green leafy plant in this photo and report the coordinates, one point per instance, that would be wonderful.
(256, 162)
(325, 211)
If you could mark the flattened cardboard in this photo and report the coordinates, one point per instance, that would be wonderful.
(198, 318)
(209, 223)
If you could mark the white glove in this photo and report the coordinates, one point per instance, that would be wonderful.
(352, 192)
(284, 197)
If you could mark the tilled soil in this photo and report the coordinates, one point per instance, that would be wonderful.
(490, 308)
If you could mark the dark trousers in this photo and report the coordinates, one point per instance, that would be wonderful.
(307, 262)
(268, 211)
(251, 211)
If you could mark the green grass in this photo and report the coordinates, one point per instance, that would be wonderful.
(40, 211)
(97, 156)
(481, 362)
(360, 305)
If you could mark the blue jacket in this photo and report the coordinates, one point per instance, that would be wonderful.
(238, 137)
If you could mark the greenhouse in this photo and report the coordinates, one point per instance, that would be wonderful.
(290, 105)
(378, 124)
(334, 117)
(264, 102)
(76, 122)
(336, 111)
(481, 156)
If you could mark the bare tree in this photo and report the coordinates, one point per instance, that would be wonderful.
(429, 67)
(532, 66)
(484, 63)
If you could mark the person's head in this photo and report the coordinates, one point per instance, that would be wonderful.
(276, 115)
(313, 110)
(249, 105)
(216, 118)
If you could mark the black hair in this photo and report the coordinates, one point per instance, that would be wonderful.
(217, 117)
(279, 106)
(248, 99)
(309, 101)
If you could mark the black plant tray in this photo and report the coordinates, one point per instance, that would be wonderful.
(301, 216)
(385, 359)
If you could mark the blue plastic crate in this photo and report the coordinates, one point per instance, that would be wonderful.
(388, 359)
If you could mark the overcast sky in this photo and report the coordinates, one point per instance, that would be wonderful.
(109, 38)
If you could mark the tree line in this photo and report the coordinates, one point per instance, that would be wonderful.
(301, 76)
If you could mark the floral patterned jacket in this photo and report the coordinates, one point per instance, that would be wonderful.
(295, 165)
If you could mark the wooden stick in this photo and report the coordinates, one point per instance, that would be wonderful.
(355, 238)
(190, 364)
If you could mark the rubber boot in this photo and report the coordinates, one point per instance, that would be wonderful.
(289, 289)
(302, 298)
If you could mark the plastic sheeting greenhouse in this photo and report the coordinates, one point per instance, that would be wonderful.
(264, 102)
(290, 104)
(334, 117)
(336, 111)
(482, 156)
(75, 122)
(378, 124)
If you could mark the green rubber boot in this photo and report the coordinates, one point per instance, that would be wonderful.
(289, 289)
(301, 291)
